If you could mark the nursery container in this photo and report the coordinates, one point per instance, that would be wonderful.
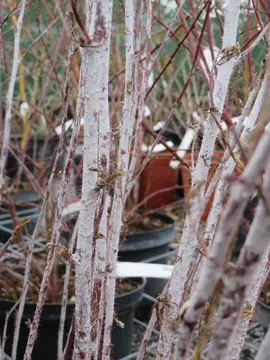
(34, 149)
(7, 226)
(46, 344)
(171, 135)
(263, 314)
(144, 245)
(157, 176)
(24, 198)
(125, 305)
(244, 227)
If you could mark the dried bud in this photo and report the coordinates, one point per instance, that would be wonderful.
(103, 161)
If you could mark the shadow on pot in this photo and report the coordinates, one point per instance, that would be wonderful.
(46, 344)
(145, 245)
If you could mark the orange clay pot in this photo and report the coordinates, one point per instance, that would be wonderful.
(158, 175)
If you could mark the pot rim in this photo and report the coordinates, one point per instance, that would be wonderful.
(263, 305)
(141, 286)
(153, 231)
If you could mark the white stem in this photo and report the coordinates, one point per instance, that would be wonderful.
(224, 169)
(54, 238)
(149, 18)
(95, 72)
(16, 62)
(9, 313)
(235, 284)
(239, 334)
(42, 212)
(231, 217)
(128, 120)
(188, 241)
(264, 351)
(65, 296)
(22, 300)
(227, 168)
(97, 297)
(156, 313)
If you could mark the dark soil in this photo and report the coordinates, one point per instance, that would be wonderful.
(125, 285)
(13, 277)
(13, 281)
(141, 223)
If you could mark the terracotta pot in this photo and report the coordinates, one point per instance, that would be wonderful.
(158, 175)
(186, 177)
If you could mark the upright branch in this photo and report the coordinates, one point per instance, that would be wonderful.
(65, 295)
(264, 351)
(43, 208)
(126, 130)
(237, 281)
(252, 294)
(52, 244)
(227, 165)
(230, 220)
(9, 100)
(188, 243)
(94, 92)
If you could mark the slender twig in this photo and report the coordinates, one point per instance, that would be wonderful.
(9, 101)
(175, 51)
(65, 295)
(14, 12)
(14, 235)
(58, 217)
(240, 193)
(40, 36)
(188, 242)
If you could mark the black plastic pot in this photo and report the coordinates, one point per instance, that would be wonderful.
(24, 198)
(125, 305)
(243, 230)
(145, 245)
(34, 150)
(46, 344)
(170, 135)
(6, 224)
(263, 314)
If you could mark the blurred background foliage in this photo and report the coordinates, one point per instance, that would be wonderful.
(42, 71)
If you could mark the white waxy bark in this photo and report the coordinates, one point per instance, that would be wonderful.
(42, 212)
(53, 241)
(264, 351)
(230, 220)
(65, 298)
(98, 290)
(249, 118)
(252, 294)
(236, 283)
(188, 241)
(239, 334)
(7, 129)
(226, 168)
(127, 126)
(94, 87)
